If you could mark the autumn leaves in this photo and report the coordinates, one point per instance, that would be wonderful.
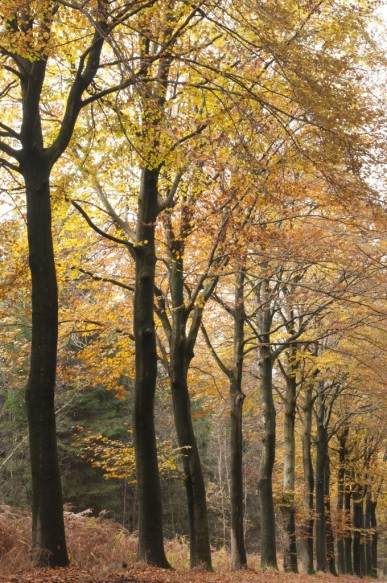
(217, 154)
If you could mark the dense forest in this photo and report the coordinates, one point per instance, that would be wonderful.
(192, 292)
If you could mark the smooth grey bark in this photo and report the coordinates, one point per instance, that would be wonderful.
(150, 534)
(265, 484)
(48, 534)
(238, 549)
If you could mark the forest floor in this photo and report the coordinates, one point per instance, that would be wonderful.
(139, 573)
(98, 546)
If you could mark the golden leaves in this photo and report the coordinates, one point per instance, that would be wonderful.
(116, 459)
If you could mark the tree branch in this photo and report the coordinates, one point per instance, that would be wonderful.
(104, 279)
(16, 154)
(9, 165)
(167, 202)
(216, 357)
(128, 244)
(117, 219)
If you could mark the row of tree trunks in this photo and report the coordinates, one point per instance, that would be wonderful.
(357, 535)
(363, 559)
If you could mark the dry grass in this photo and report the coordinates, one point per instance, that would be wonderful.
(92, 542)
(98, 547)
(15, 539)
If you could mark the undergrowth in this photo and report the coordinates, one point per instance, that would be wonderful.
(92, 542)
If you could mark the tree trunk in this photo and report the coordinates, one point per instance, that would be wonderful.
(200, 554)
(238, 550)
(48, 536)
(348, 536)
(322, 448)
(374, 538)
(341, 517)
(368, 535)
(328, 520)
(265, 485)
(288, 507)
(358, 525)
(35, 164)
(307, 528)
(181, 354)
(150, 536)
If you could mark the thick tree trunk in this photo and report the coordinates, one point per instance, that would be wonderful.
(238, 550)
(307, 528)
(181, 355)
(322, 448)
(200, 554)
(35, 163)
(150, 535)
(48, 536)
(265, 485)
(288, 507)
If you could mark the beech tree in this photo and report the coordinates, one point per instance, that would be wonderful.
(32, 147)
(156, 106)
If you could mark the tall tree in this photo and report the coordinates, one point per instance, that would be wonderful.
(160, 155)
(237, 397)
(26, 49)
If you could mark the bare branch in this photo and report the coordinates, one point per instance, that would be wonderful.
(128, 244)
(16, 154)
(215, 355)
(9, 165)
(167, 202)
(117, 219)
